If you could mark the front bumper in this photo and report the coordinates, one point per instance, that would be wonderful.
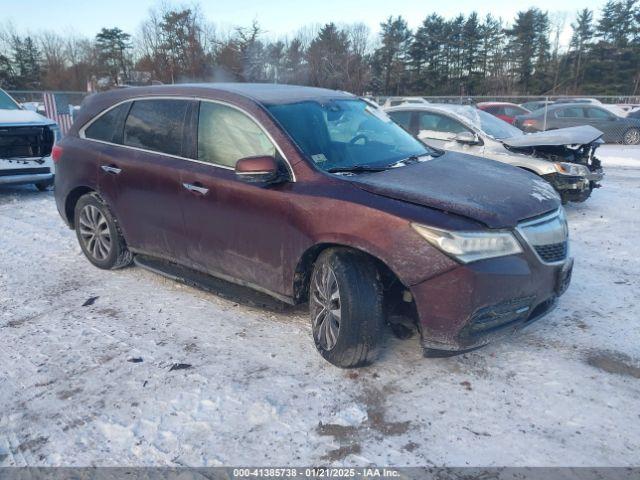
(575, 188)
(20, 172)
(473, 304)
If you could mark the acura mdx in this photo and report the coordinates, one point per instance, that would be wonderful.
(313, 195)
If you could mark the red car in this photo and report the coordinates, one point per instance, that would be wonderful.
(503, 110)
(313, 195)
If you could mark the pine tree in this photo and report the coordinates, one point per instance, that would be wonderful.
(581, 37)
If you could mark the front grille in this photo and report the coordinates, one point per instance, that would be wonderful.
(553, 252)
(26, 142)
(548, 236)
(23, 171)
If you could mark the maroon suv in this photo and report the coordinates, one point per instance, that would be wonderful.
(314, 195)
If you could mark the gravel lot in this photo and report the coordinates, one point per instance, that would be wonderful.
(88, 365)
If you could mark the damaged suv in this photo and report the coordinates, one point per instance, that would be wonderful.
(565, 157)
(26, 141)
(313, 195)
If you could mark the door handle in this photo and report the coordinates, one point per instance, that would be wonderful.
(196, 188)
(111, 169)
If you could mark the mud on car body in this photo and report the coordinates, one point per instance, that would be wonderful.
(565, 157)
(313, 195)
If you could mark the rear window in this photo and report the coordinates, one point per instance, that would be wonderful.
(156, 125)
(108, 127)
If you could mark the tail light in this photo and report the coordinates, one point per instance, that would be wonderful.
(529, 123)
(56, 153)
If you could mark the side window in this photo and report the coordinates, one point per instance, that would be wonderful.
(402, 118)
(225, 135)
(570, 112)
(598, 113)
(108, 127)
(513, 111)
(494, 110)
(439, 123)
(156, 125)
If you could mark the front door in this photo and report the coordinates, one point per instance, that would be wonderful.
(440, 131)
(233, 228)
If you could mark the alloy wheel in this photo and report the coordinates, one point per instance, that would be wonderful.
(94, 232)
(325, 307)
(632, 137)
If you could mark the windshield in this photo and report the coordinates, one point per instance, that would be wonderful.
(7, 103)
(346, 133)
(490, 125)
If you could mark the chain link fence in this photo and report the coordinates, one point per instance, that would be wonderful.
(617, 117)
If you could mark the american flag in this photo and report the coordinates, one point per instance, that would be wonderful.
(56, 107)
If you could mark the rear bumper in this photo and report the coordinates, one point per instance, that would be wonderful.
(471, 305)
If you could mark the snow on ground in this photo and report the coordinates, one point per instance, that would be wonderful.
(93, 385)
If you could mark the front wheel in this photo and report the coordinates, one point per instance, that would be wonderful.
(631, 137)
(345, 304)
(98, 234)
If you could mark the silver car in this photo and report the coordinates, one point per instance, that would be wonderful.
(564, 157)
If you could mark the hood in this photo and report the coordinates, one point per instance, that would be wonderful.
(582, 135)
(22, 117)
(489, 192)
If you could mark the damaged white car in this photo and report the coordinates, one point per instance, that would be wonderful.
(26, 141)
(564, 157)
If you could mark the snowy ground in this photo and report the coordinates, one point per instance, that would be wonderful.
(93, 385)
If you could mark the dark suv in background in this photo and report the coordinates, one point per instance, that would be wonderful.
(314, 195)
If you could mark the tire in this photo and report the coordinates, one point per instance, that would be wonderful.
(44, 186)
(93, 220)
(631, 137)
(346, 329)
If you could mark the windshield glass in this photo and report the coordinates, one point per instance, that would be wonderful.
(346, 133)
(487, 123)
(7, 103)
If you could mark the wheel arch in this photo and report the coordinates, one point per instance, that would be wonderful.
(72, 199)
(305, 264)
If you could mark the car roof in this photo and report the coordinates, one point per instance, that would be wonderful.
(264, 93)
(489, 104)
(451, 109)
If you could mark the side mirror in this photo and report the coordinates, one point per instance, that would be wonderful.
(262, 169)
(467, 138)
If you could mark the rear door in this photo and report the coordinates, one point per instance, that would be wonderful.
(140, 176)
(233, 228)
(569, 116)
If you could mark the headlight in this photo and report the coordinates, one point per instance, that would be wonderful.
(571, 169)
(470, 246)
(56, 133)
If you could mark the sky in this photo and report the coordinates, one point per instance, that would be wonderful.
(277, 17)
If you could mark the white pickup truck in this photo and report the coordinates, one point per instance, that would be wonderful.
(26, 140)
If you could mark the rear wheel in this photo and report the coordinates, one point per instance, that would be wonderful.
(631, 137)
(345, 304)
(98, 234)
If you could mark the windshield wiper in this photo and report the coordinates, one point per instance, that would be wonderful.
(356, 169)
(411, 159)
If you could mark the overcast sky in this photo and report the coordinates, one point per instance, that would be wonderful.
(278, 17)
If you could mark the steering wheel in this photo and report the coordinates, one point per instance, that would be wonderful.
(358, 137)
